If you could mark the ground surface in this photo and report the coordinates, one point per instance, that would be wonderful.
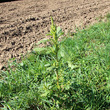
(24, 22)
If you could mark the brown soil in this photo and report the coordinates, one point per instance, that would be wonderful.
(24, 22)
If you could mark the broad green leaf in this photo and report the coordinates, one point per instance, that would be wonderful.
(59, 32)
(50, 68)
(48, 52)
(43, 41)
(22, 64)
(71, 65)
(49, 34)
(45, 94)
(47, 65)
(62, 53)
(40, 50)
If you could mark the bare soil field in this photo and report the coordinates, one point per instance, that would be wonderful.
(24, 22)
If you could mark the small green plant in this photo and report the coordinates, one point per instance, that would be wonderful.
(55, 33)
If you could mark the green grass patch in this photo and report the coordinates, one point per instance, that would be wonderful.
(83, 67)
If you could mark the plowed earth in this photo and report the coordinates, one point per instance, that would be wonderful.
(25, 22)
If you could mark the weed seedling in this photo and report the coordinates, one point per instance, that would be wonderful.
(55, 33)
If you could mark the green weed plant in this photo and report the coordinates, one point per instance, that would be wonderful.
(55, 33)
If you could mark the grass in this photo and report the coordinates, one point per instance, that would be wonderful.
(83, 71)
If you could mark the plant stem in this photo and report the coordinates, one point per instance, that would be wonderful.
(57, 65)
